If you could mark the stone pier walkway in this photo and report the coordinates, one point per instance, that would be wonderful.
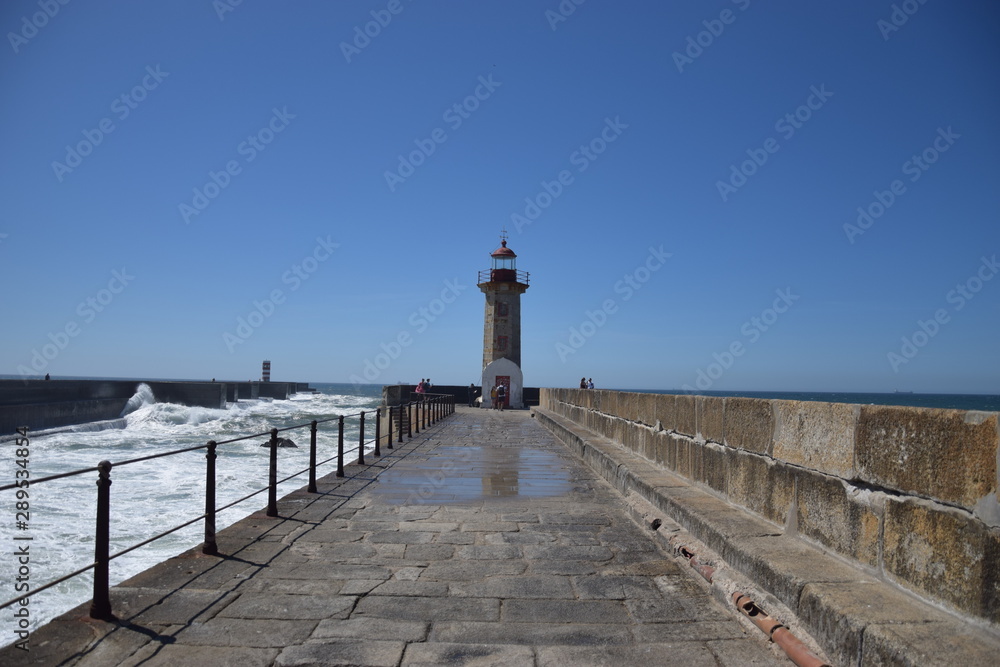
(481, 541)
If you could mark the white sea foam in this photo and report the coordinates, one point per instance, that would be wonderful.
(143, 396)
(152, 496)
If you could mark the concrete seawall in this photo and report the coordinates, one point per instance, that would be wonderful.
(394, 394)
(908, 494)
(44, 404)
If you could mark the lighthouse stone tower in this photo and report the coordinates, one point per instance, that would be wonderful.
(503, 286)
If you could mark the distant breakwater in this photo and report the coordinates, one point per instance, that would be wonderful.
(45, 404)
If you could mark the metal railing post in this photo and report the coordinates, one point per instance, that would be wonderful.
(209, 546)
(378, 431)
(312, 456)
(416, 413)
(272, 475)
(340, 446)
(361, 439)
(400, 420)
(409, 420)
(388, 429)
(100, 605)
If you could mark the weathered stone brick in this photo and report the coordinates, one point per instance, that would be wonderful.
(615, 429)
(819, 436)
(609, 402)
(749, 424)
(661, 447)
(710, 417)
(686, 416)
(646, 409)
(604, 425)
(831, 514)
(761, 485)
(647, 442)
(715, 467)
(627, 405)
(697, 456)
(945, 554)
(682, 462)
(948, 455)
(664, 410)
(673, 442)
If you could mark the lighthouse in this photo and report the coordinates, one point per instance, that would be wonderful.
(503, 284)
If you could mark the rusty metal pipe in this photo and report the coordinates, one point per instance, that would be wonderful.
(796, 651)
(706, 571)
(756, 615)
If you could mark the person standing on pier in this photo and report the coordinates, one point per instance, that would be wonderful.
(472, 395)
(501, 395)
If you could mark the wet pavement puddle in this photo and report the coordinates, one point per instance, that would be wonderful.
(453, 474)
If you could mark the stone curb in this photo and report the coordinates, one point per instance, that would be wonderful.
(854, 617)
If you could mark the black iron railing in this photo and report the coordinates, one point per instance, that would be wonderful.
(428, 411)
(503, 276)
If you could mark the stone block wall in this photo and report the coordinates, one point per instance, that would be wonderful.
(909, 493)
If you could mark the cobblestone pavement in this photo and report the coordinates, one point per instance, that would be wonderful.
(481, 541)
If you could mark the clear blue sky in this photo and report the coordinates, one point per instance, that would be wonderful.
(114, 113)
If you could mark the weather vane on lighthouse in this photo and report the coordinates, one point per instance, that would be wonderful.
(503, 286)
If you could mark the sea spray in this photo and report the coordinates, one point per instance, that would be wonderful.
(143, 396)
(150, 497)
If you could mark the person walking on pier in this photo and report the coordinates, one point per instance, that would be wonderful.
(472, 395)
(501, 395)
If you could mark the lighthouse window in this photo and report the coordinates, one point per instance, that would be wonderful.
(502, 310)
(501, 343)
(503, 263)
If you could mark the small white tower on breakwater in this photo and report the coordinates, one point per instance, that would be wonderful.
(503, 286)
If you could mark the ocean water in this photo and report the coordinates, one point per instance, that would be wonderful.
(150, 497)
(985, 402)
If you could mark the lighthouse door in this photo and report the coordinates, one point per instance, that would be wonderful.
(505, 381)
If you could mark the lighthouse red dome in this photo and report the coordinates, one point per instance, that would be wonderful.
(503, 251)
